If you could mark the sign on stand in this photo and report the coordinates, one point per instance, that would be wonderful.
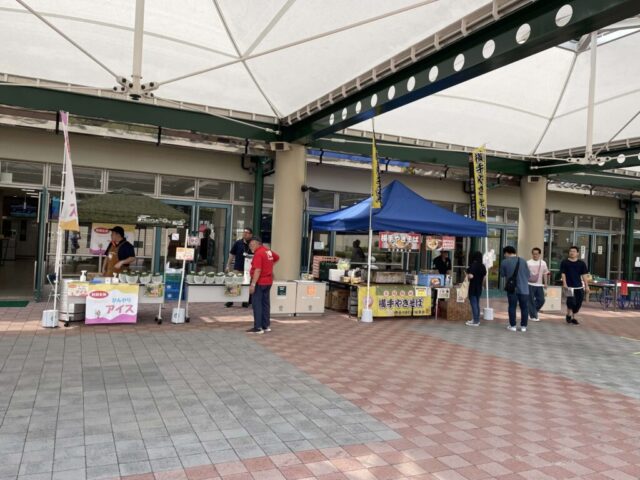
(186, 254)
(552, 299)
(115, 303)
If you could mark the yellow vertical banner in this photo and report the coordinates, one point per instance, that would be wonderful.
(376, 185)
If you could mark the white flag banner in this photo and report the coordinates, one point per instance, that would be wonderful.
(69, 209)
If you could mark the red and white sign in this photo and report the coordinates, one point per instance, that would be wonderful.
(101, 236)
(399, 241)
(436, 242)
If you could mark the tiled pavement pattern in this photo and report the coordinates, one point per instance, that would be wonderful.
(461, 413)
(581, 354)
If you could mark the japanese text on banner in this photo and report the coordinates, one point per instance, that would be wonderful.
(478, 184)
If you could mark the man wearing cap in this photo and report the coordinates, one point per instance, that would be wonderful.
(119, 253)
(261, 281)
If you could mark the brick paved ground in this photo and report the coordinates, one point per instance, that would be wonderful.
(319, 398)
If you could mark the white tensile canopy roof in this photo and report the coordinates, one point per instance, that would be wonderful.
(272, 57)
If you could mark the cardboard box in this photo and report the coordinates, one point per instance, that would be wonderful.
(451, 309)
(339, 300)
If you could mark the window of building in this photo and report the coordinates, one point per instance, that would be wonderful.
(177, 186)
(616, 224)
(243, 192)
(242, 218)
(84, 178)
(21, 172)
(267, 193)
(513, 215)
(349, 199)
(586, 221)
(495, 215)
(135, 181)
(601, 223)
(564, 220)
(214, 189)
(265, 226)
(322, 199)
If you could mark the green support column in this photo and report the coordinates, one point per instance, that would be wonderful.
(630, 221)
(257, 195)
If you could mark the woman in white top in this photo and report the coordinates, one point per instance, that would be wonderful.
(537, 283)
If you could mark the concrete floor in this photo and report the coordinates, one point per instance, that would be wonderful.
(319, 398)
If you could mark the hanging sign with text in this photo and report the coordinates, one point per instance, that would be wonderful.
(399, 241)
(441, 243)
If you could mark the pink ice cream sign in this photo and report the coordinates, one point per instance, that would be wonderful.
(116, 303)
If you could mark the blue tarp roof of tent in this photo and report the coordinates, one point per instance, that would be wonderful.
(403, 210)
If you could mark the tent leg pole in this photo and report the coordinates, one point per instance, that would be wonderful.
(310, 240)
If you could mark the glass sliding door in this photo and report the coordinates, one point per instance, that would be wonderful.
(174, 237)
(600, 256)
(495, 244)
(583, 242)
(213, 221)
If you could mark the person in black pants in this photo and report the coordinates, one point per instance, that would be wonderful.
(575, 282)
(475, 273)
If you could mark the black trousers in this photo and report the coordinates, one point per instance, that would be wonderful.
(575, 303)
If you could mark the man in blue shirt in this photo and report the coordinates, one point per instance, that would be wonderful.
(239, 251)
(521, 295)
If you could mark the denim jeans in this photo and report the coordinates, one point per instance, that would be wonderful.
(536, 300)
(474, 300)
(261, 303)
(514, 300)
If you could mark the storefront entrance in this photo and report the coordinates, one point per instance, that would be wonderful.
(204, 218)
(18, 242)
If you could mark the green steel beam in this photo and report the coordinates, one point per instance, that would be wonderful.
(128, 111)
(361, 146)
(564, 168)
(602, 180)
(588, 15)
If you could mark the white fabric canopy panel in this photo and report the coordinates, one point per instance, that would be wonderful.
(268, 57)
(273, 57)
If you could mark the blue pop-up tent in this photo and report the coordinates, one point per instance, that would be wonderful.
(403, 210)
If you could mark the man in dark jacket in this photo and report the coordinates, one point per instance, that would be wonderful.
(239, 251)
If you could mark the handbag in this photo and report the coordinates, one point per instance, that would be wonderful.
(536, 278)
(463, 290)
(511, 285)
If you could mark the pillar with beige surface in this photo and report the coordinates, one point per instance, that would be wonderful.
(288, 203)
(533, 200)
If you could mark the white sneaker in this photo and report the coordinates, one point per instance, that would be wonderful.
(471, 323)
(534, 319)
(513, 329)
(523, 329)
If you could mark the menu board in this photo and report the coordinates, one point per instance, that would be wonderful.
(437, 242)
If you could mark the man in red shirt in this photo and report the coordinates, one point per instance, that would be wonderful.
(261, 281)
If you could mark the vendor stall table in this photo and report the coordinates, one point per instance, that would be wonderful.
(74, 292)
(212, 293)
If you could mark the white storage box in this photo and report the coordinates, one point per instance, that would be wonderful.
(335, 275)
(310, 297)
(283, 298)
